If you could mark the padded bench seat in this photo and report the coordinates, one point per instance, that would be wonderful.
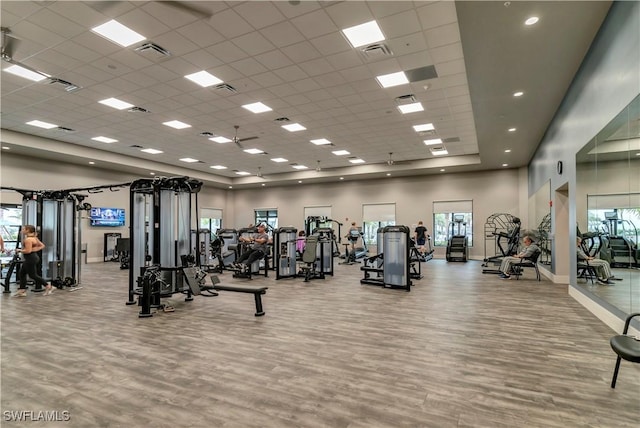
(256, 291)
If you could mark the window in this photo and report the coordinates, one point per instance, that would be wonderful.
(375, 216)
(10, 223)
(268, 216)
(452, 218)
(211, 219)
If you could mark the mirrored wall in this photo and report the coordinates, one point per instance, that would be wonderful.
(608, 206)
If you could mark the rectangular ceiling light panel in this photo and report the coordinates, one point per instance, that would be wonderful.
(177, 124)
(41, 124)
(152, 151)
(320, 142)
(105, 139)
(424, 127)
(203, 79)
(363, 34)
(392, 79)
(118, 33)
(410, 108)
(116, 103)
(294, 127)
(220, 140)
(257, 107)
(25, 73)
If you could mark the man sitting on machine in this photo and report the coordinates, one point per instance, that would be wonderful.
(256, 252)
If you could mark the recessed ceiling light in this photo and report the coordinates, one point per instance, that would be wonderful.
(279, 160)
(410, 108)
(442, 170)
(508, 151)
(17, 70)
(300, 167)
(424, 127)
(505, 164)
(105, 139)
(363, 34)
(433, 141)
(218, 167)
(637, 154)
(118, 33)
(341, 178)
(441, 152)
(299, 181)
(518, 94)
(203, 78)
(357, 160)
(257, 107)
(341, 152)
(294, 127)
(388, 174)
(177, 124)
(263, 184)
(189, 160)
(242, 173)
(393, 79)
(92, 163)
(41, 124)
(321, 142)
(153, 151)
(512, 129)
(531, 21)
(230, 187)
(220, 140)
(6, 148)
(116, 103)
(253, 151)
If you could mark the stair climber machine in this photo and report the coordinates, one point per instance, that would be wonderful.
(621, 241)
(457, 248)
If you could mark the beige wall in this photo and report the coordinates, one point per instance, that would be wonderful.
(491, 192)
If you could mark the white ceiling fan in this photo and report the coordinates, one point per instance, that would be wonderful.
(237, 140)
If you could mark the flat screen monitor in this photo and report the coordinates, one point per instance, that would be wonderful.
(106, 216)
(611, 215)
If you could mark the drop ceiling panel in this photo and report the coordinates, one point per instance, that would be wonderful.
(282, 34)
(260, 14)
(314, 24)
(229, 24)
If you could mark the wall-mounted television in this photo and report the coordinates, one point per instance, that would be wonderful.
(105, 216)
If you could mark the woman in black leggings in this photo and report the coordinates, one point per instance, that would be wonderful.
(31, 245)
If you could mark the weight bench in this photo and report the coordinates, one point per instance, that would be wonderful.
(257, 292)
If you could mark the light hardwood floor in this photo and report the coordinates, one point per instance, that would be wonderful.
(461, 349)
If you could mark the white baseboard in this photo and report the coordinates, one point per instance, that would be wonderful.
(602, 313)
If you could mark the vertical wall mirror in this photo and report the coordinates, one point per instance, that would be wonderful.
(540, 221)
(608, 207)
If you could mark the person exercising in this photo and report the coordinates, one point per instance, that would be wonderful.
(31, 245)
(602, 267)
(420, 234)
(529, 250)
(257, 251)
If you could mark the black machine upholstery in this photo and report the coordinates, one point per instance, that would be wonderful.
(627, 348)
(529, 262)
(308, 267)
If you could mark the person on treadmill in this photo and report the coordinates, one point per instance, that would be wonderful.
(352, 235)
(420, 234)
(258, 249)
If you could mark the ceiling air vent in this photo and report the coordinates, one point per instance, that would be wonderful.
(62, 128)
(376, 51)
(429, 133)
(206, 134)
(138, 110)
(406, 99)
(451, 140)
(68, 86)
(153, 51)
(136, 146)
(421, 73)
(226, 87)
(282, 119)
